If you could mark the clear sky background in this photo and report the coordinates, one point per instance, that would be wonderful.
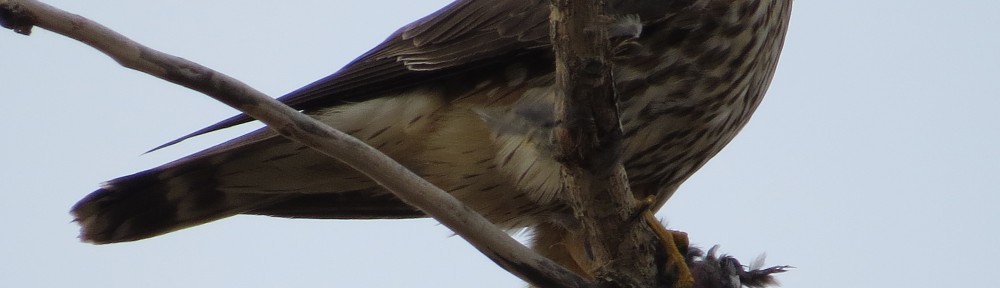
(873, 161)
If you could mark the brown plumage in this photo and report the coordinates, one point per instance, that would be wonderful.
(463, 97)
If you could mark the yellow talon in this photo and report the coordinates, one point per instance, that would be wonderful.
(670, 241)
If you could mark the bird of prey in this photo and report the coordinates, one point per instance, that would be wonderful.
(463, 97)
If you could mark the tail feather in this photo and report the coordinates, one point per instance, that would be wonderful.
(260, 173)
(358, 204)
(142, 205)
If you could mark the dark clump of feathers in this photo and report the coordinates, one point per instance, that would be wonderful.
(724, 271)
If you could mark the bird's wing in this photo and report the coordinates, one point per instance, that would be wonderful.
(463, 36)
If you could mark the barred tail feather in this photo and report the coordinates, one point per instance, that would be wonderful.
(144, 205)
(260, 173)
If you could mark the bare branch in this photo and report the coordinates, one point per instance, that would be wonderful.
(619, 248)
(485, 236)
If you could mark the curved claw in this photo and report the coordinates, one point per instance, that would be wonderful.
(675, 259)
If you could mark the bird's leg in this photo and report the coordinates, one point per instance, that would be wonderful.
(671, 241)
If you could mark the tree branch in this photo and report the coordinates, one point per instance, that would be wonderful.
(617, 247)
(489, 239)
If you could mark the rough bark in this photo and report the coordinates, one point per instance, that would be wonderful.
(616, 247)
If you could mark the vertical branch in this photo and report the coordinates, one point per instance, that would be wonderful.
(617, 249)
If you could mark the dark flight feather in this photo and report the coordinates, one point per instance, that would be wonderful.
(463, 36)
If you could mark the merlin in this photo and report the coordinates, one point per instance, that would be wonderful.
(464, 98)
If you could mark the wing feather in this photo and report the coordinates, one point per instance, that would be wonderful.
(463, 36)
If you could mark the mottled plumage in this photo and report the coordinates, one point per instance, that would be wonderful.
(463, 98)
(714, 271)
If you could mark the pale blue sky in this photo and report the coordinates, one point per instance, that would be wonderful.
(873, 161)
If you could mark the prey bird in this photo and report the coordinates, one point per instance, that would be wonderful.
(464, 98)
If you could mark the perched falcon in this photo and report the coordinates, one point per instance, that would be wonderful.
(463, 97)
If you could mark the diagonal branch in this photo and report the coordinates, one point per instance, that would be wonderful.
(490, 240)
